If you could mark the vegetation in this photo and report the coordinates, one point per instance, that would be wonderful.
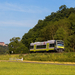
(15, 68)
(16, 47)
(3, 49)
(59, 57)
(59, 25)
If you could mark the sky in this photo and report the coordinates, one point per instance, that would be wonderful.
(17, 17)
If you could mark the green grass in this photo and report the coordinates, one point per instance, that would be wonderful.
(18, 68)
(59, 57)
(6, 57)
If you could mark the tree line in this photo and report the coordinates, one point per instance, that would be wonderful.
(59, 25)
(4, 49)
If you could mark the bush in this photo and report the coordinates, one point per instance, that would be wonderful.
(60, 57)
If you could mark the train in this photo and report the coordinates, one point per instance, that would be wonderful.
(46, 46)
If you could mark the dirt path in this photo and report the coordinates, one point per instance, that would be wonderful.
(43, 62)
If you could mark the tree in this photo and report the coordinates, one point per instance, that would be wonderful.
(16, 47)
(15, 39)
(70, 43)
(72, 20)
(62, 8)
(60, 34)
(3, 49)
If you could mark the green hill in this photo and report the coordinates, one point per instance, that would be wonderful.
(60, 25)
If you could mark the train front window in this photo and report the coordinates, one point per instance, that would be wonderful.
(60, 44)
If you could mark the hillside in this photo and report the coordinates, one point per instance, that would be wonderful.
(60, 25)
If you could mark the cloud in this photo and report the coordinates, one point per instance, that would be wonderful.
(26, 23)
(10, 7)
(22, 8)
(9, 18)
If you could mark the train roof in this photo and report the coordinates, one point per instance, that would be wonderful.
(42, 43)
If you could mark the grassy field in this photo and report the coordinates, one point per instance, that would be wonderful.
(19, 68)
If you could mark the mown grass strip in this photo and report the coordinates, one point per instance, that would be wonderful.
(15, 68)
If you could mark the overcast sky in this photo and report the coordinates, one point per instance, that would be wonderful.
(18, 16)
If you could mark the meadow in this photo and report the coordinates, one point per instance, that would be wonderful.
(20, 68)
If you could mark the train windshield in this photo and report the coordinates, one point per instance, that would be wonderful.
(60, 43)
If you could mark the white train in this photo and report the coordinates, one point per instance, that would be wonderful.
(57, 45)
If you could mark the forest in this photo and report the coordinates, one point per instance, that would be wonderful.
(59, 25)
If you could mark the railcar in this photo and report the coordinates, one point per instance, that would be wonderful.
(56, 45)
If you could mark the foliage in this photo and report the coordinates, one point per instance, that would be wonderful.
(16, 47)
(60, 33)
(70, 43)
(58, 25)
(59, 57)
(4, 49)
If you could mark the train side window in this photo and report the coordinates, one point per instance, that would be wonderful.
(41, 46)
(51, 45)
(31, 47)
